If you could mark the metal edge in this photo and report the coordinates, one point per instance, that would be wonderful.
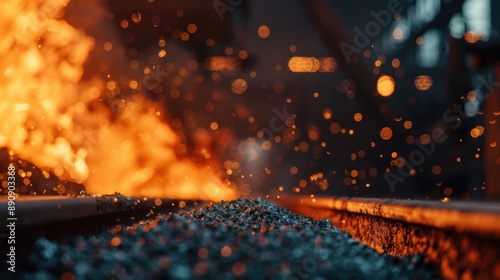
(460, 239)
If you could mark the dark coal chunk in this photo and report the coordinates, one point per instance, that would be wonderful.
(244, 238)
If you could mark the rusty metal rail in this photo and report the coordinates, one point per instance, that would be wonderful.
(462, 238)
(60, 216)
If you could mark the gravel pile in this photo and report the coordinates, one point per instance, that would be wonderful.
(241, 239)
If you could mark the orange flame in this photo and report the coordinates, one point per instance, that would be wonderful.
(56, 121)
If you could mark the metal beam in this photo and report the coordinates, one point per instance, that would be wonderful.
(461, 238)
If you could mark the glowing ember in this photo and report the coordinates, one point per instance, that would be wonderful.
(385, 85)
(219, 63)
(312, 64)
(264, 31)
(239, 86)
(58, 122)
(423, 82)
(386, 133)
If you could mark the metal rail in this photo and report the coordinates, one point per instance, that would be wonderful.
(462, 238)
(60, 216)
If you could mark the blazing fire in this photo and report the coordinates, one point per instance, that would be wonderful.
(60, 123)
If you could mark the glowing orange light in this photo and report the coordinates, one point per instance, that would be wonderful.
(313, 133)
(327, 114)
(264, 31)
(335, 128)
(386, 133)
(162, 53)
(425, 139)
(358, 117)
(239, 86)
(436, 170)
(210, 42)
(395, 63)
(327, 64)
(477, 131)
(136, 17)
(124, 24)
(312, 64)
(184, 36)
(219, 63)
(303, 64)
(423, 82)
(108, 46)
(214, 126)
(243, 54)
(192, 28)
(448, 191)
(472, 37)
(115, 241)
(385, 85)
(226, 251)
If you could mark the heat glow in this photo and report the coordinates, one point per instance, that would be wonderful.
(60, 123)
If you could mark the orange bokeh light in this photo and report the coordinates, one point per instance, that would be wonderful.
(385, 85)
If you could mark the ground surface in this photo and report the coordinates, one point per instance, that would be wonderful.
(245, 238)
